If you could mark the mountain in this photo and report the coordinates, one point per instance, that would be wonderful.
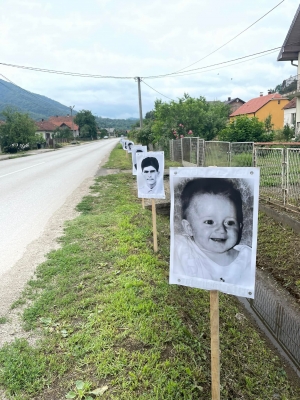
(122, 124)
(38, 106)
(35, 105)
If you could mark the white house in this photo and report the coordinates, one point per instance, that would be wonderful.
(289, 117)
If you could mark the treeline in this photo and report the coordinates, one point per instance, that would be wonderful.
(196, 117)
(119, 124)
(187, 117)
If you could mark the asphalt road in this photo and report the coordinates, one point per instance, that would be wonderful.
(33, 188)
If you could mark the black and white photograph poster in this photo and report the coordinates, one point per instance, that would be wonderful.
(214, 219)
(137, 148)
(124, 144)
(150, 175)
(129, 146)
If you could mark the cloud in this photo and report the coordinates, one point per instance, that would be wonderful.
(140, 38)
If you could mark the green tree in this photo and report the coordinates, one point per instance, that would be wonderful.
(63, 132)
(269, 126)
(244, 129)
(87, 124)
(288, 132)
(18, 132)
(193, 117)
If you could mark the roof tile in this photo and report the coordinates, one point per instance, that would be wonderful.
(255, 104)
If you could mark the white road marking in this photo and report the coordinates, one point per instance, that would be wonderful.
(19, 170)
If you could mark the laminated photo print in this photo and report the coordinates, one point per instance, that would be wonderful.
(137, 148)
(214, 218)
(130, 144)
(150, 175)
(124, 144)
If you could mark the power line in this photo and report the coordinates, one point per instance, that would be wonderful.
(52, 71)
(32, 95)
(157, 91)
(225, 66)
(223, 45)
(212, 65)
(84, 75)
(214, 69)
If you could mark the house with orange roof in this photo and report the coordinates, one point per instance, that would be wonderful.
(263, 106)
(65, 121)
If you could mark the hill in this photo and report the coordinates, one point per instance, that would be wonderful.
(36, 105)
(115, 123)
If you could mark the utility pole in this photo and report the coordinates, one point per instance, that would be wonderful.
(71, 108)
(140, 101)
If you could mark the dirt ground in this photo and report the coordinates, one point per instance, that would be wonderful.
(36, 254)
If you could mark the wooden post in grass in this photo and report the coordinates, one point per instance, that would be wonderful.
(143, 203)
(215, 344)
(154, 226)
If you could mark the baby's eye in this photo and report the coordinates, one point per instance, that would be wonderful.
(209, 222)
(230, 222)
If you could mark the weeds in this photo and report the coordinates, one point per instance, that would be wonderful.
(109, 319)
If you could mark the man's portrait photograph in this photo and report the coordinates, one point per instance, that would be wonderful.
(214, 216)
(150, 175)
(137, 148)
(130, 144)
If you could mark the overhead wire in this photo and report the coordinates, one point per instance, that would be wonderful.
(131, 77)
(239, 34)
(156, 90)
(27, 94)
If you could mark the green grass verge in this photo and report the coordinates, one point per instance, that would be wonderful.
(107, 316)
(278, 253)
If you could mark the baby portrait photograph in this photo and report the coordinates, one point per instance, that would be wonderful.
(150, 175)
(214, 213)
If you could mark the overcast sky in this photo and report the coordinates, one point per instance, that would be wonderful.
(131, 38)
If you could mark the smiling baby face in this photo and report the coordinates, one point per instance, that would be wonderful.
(212, 221)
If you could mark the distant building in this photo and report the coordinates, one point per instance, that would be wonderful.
(289, 116)
(263, 106)
(65, 121)
(111, 132)
(46, 129)
(234, 104)
(290, 51)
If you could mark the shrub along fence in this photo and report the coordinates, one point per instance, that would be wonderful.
(279, 167)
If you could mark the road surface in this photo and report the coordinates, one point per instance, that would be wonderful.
(32, 189)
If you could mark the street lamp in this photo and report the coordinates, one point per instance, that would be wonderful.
(71, 108)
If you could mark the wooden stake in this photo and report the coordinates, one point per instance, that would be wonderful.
(154, 226)
(215, 343)
(143, 203)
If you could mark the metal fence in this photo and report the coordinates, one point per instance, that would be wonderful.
(279, 167)
(282, 324)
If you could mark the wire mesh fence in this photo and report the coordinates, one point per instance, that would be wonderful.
(241, 154)
(272, 171)
(279, 167)
(293, 177)
(283, 325)
(217, 153)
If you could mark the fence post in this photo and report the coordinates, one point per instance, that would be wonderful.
(254, 162)
(197, 153)
(181, 148)
(230, 144)
(284, 175)
(286, 190)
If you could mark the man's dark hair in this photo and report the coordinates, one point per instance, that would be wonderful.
(216, 186)
(150, 161)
